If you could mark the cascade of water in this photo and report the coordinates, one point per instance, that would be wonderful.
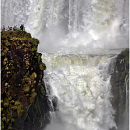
(69, 25)
(83, 90)
(65, 24)
(80, 82)
(50, 96)
(15, 12)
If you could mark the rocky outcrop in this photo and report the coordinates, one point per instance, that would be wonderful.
(120, 86)
(22, 90)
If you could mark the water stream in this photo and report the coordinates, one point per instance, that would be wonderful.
(82, 85)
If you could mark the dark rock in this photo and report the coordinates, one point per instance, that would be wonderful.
(118, 77)
(55, 103)
(24, 105)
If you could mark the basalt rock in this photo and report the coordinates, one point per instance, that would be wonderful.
(23, 91)
(120, 87)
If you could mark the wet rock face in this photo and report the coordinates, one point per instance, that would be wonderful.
(38, 114)
(21, 76)
(119, 82)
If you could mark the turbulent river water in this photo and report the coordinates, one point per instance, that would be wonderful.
(82, 85)
(76, 42)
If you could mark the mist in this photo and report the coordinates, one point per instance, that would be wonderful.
(75, 27)
(71, 26)
(66, 29)
(125, 124)
(56, 39)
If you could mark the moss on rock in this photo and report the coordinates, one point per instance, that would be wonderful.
(22, 72)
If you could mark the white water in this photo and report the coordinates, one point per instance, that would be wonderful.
(82, 85)
(81, 82)
(71, 25)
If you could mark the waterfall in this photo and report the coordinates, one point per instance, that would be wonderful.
(82, 85)
(78, 42)
(64, 25)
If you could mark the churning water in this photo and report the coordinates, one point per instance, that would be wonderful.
(82, 85)
(68, 30)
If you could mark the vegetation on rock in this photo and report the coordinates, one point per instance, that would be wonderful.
(21, 76)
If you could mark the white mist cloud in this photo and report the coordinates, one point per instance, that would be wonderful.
(102, 25)
(51, 39)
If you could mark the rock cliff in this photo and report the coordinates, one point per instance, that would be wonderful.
(120, 88)
(22, 90)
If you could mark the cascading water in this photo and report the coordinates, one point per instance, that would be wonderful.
(82, 85)
(69, 24)
(65, 25)
(81, 81)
